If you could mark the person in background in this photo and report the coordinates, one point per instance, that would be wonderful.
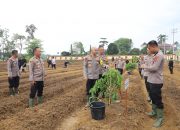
(49, 62)
(13, 73)
(155, 80)
(22, 64)
(112, 63)
(171, 65)
(36, 77)
(91, 71)
(115, 63)
(120, 65)
(66, 63)
(126, 60)
(53, 63)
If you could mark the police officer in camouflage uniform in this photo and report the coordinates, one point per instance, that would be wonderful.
(13, 73)
(36, 77)
(155, 80)
(91, 70)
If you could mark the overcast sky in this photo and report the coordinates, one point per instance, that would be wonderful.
(62, 22)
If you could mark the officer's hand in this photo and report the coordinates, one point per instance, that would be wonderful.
(85, 77)
(143, 66)
(33, 82)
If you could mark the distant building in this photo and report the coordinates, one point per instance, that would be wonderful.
(167, 47)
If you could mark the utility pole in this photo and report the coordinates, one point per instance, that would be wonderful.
(174, 30)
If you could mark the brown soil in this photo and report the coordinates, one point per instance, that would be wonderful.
(64, 101)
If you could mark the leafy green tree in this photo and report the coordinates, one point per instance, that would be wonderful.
(135, 51)
(65, 53)
(144, 48)
(6, 45)
(78, 48)
(177, 44)
(112, 49)
(161, 38)
(30, 29)
(124, 45)
(169, 52)
(31, 45)
(10, 45)
(20, 40)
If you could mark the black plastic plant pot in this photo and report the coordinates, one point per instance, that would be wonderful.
(97, 110)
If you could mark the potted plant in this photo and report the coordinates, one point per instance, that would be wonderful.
(130, 67)
(107, 87)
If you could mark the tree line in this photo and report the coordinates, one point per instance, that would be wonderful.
(19, 42)
(122, 46)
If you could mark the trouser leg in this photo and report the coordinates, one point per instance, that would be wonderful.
(89, 84)
(121, 71)
(147, 85)
(32, 94)
(171, 70)
(11, 86)
(40, 91)
(156, 97)
(16, 84)
(155, 94)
